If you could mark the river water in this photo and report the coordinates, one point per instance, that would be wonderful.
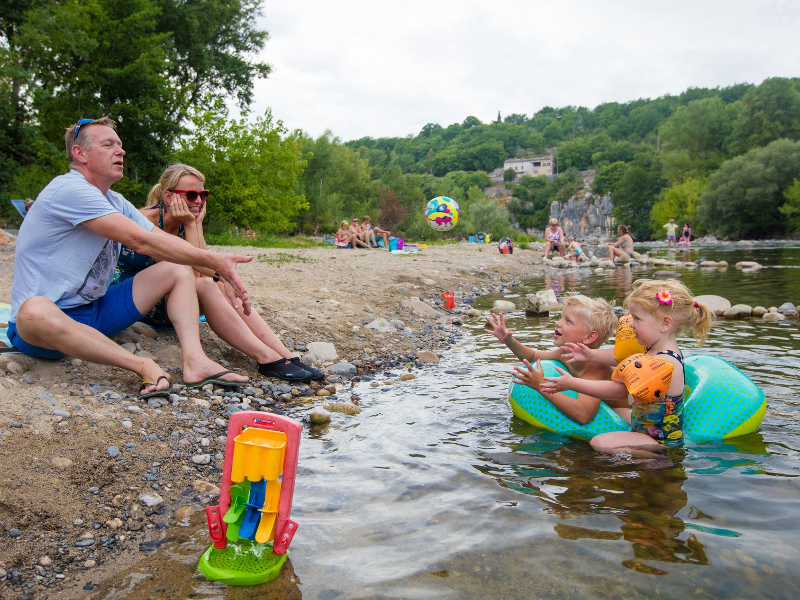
(436, 491)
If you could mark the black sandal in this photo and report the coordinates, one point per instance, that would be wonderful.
(316, 374)
(285, 369)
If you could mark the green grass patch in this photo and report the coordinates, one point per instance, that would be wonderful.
(282, 258)
(263, 241)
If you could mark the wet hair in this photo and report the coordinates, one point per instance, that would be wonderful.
(84, 138)
(625, 230)
(598, 313)
(168, 181)
(684, 310)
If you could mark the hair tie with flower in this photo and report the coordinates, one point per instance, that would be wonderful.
(664, 297)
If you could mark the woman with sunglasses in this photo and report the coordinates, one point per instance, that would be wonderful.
(177, 205)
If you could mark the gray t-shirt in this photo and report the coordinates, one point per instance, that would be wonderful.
(57, 256)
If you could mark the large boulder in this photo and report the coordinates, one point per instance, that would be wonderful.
(623, 259)
(788, 309)
(738, 311)
(773, 316)
(503, 306)
(717, 304)
(541, 303)
(606, 264)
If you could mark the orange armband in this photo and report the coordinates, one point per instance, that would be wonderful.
(625, 342)
(646, 377)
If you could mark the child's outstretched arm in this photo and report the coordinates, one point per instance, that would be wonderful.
(581, 409)
(497, 327)
(582, 353)
(611, 390)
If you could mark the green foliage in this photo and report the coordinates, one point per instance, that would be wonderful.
(634, 196)
(679, 202)
(791, 209)
(282, 258)
(700, 129)
(252, 171)
(766, 113)
(606, 179)
(145, 63)
(509, 175)
(744, 196)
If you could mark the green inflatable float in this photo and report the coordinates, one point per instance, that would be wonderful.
(722, 403)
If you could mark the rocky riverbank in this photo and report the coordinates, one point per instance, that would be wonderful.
(93, 478)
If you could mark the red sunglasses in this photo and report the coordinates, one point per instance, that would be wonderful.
(192, 195)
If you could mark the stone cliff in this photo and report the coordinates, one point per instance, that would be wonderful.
(585, 215)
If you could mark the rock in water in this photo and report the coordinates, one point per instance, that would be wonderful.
(738, 311)
(717, 304)
(541, 303)
(503, 306)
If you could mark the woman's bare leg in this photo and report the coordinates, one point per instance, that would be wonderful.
(227, 324)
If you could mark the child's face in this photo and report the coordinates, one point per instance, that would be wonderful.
(648, 328)
(571, 327)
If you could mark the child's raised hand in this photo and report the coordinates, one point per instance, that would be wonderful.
(552, 385)
(576, 352)
(531, 377)
(497, 323)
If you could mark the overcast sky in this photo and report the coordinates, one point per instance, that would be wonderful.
(386, 68)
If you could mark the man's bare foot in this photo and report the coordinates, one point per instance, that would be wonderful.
(152, 373)
(204, 367)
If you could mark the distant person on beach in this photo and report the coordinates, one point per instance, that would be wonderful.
(554, 236)
(574, 250)
(371, 232)
(66, 253)
(671, 228)
(347, 239)
(687, 234)
(584, 320)
(624, 245)
(177, 205)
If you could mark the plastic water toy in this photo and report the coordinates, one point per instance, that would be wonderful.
(251, 528)
(721, 403)
(449, 299)
(442, 213)
(625, 342)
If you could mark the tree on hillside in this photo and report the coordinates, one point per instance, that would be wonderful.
(606, 179)
(791, 209)
(634, 197)
(701, 129)
(515, 119)
(509, 175)
(744, 196)
(767, 112)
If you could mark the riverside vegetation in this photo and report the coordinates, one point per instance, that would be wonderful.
(725, 159)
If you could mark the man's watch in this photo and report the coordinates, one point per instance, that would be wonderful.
(216, 277)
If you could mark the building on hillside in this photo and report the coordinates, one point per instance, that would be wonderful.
(539, 165)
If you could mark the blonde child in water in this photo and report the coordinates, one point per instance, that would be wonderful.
(660, 311)
(586, 321)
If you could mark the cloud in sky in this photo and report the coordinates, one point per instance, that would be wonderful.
(380, 69)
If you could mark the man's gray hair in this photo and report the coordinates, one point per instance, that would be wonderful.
(84, 135)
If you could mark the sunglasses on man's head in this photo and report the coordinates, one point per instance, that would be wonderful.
(192, 195)
(78, 125)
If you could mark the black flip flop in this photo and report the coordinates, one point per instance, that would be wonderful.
(215, 379)
(156, 393)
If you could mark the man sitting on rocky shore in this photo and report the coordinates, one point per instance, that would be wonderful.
(66, 253)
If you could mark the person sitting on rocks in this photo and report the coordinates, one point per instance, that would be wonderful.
(65, 257)
(373, 231)
(347, 239)
(177, 205)
(574, 250)
(554, 236)
(624, 245)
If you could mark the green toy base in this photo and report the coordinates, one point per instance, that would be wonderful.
(243, 562)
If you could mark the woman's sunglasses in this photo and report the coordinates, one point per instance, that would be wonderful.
(192, 195)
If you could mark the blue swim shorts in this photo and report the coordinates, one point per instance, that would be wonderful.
(110, 314)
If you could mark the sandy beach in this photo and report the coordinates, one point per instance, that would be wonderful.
(91, 475)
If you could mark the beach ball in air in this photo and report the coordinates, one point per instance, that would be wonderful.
(442, 213)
